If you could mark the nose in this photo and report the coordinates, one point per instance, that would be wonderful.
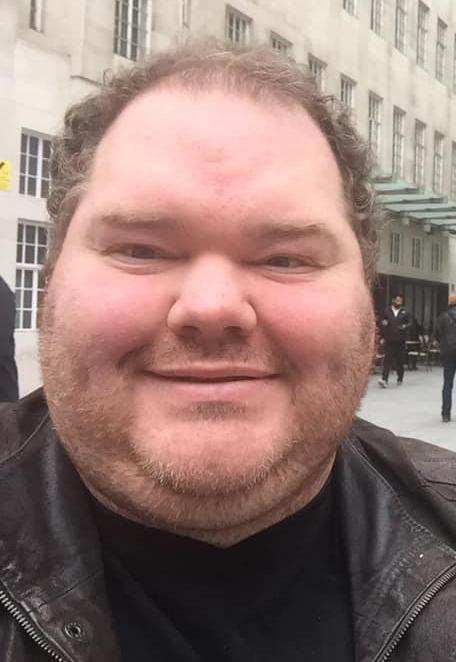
(212, 303)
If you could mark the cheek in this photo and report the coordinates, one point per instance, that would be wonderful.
(111, 313)
(316, 321)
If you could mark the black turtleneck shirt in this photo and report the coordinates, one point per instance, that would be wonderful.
(281, 595)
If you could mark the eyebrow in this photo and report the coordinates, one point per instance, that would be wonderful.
(283, 231)
(137, 221)
(266, 231)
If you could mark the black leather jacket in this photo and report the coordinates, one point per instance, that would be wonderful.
(398, 516)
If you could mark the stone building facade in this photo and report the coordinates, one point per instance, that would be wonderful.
(392, 61)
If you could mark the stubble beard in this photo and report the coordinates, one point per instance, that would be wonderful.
(98, 432)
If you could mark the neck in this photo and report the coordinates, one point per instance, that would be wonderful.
(230, 535)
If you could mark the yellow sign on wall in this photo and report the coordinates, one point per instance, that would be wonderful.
(5, 175)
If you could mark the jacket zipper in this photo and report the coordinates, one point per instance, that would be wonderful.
(415, 612)
(26, 625)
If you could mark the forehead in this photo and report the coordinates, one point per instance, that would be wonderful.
(217, 146)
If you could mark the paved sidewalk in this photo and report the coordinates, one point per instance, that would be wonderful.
(412, 409)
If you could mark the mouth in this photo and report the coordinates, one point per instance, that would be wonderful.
(198, 383)
(212, 374)
(208, 380)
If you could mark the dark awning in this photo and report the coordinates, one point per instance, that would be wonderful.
(408, 201)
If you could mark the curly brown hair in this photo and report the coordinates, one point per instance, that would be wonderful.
(256, 71)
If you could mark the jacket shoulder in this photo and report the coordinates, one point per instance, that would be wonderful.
(422, 475)
(411, 463)
(19, 421)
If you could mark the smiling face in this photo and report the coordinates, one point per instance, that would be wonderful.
(207, 331)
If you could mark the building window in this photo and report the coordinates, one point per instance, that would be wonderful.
(32, 243)
(34, 166)
(454, 64)
(420, 152)
(440, 55)
(438, 162)
(417, 251)
(237, 27)
(376, 19)
(280, 44)
(436, 257)
(349, 5)
(318, 70)
(398, 142)
(401, 25)
(347, 92)
(374, 123)
(130, 28)
(186, 11)
(453, 171)
(36, 15)
(395, 247)
(422, 34)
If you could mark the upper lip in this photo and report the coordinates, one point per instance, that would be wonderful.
(201, 372)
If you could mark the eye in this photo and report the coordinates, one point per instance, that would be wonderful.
(285, 262)
(136, 253)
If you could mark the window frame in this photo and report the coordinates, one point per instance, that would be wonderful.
(436, 256)
(347, 83)
(285, 46)
(438, 163)
(42, 164)
(453, 171)
(398, 142)
(376, 17)
(186, 12)
(417, 252)
(245, 21)
(317, 69)
(374, 120)
(349, 6)
(440, 50)
(36, 15)
(395, 247)
(454, 63)
(422, 35)
(419, 150)
(26, 267)
(400, 29)
(134, 50)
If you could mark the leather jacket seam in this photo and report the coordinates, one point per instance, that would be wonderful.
(416, 526)
(28, 439)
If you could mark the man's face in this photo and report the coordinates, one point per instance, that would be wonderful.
(397, 302)
(207, 331)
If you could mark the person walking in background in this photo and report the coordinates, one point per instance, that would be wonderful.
(393, 329)
(445, 333)
(8, 370)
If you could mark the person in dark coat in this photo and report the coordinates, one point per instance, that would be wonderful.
(445, 333)
(393, 328)
(8, 371)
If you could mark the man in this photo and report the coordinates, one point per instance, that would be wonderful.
(394, 325)
(8, 370)
(199, 490)
(445, 333)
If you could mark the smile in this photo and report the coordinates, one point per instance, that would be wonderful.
(210, 380)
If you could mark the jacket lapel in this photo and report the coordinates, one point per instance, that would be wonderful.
(392, 559)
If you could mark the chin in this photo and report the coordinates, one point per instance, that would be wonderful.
(207, 462)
